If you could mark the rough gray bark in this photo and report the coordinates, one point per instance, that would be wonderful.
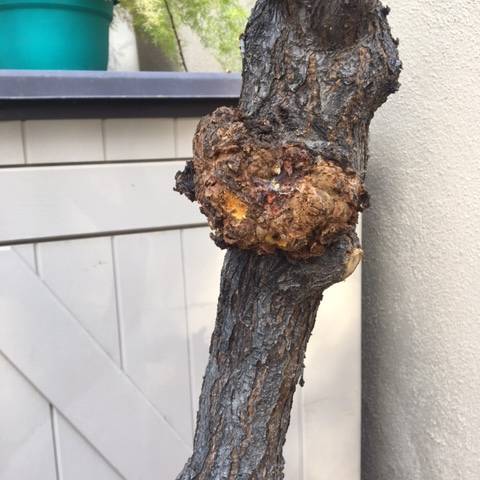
(318, 70)
(282, 175)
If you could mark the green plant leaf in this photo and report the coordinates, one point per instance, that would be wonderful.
(218, 24)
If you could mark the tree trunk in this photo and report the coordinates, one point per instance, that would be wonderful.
(280, 180)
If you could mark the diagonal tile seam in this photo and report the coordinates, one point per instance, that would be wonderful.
(96, 345)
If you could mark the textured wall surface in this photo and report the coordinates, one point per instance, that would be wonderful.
(421, 236)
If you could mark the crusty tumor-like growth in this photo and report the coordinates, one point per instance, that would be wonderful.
(262, 195)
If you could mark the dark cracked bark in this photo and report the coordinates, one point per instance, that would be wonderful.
(280, 180)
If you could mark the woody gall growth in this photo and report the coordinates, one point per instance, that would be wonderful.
(280, 179)
(269, 197)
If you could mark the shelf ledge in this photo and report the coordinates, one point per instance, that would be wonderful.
(33, 94)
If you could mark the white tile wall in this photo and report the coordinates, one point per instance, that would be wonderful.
(27, 253)
(71, 267)
(153, 318)
(157, 345)
(39, 202)
(50, 348)
(184, 131)
(78, 459)
(11, 144)
(139, 138)
(293, 448)
(166, 287)
(71, 141)
(26, 447)
(63, 141)
(201, 260)
(332, 394)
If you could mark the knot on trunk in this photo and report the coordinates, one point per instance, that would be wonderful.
(262, 195)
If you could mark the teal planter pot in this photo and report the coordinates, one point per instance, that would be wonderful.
(54, 34)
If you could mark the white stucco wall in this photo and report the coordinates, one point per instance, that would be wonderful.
(421, 274)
